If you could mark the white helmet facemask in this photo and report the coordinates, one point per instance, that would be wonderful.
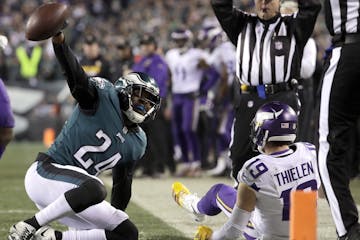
(137, 113)
(142, 96)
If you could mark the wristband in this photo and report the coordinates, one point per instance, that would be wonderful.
(233, 228)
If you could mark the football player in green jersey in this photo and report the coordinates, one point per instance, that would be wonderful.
(102, 133)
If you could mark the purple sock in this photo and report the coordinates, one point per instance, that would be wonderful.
(219, 193)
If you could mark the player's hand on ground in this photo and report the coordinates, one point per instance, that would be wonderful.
(203, 233)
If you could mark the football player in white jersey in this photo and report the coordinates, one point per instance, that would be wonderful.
(188, 69)
(259, 208)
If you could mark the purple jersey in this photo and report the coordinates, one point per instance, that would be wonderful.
(6, 115)
(157, 68)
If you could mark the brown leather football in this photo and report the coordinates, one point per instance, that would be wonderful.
(46, 21)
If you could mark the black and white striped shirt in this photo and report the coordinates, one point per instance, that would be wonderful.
(268, 52)
(342, 16)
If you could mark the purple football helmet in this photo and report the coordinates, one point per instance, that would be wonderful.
(181, 34)
(273, 122)
(182, 38)
(212, 35)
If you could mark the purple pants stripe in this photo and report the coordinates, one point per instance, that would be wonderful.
(219, 195)
(222, 198)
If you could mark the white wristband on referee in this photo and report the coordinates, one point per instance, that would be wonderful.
(233, 228)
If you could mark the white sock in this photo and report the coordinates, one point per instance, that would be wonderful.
(194, 199)
(57, 209)
(195, 205)
(93, 234)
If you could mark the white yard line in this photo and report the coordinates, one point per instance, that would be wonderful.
(20, 211)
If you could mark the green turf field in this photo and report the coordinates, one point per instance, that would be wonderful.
(15, 206)
(152, 208)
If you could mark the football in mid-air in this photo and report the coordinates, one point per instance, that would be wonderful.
(46, 21)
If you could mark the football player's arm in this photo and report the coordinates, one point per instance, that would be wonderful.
(210, 73)
(211, 76)
(121, 190)
(78, 81)
(240, 215)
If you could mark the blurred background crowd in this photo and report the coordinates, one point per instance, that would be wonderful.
(106, 35)
(110, 21)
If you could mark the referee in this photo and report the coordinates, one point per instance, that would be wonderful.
(268, 58)
(339, 111)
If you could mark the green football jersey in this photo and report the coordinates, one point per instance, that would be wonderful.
(100, 141)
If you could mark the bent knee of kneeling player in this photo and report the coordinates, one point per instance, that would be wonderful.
(89, 193)
(125, 230)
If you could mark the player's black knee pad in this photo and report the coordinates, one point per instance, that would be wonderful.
(89, 193)
(125, 231)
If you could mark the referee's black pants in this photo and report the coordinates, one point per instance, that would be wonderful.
(241, 148)
(339, 111)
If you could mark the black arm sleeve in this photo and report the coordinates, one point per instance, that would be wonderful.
(306, 18)
(231, 20)
(121, 190)
(78, 81)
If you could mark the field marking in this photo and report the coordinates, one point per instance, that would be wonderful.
(4, 211)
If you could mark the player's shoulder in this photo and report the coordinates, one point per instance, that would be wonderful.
(171, 52)
(100, 83)
(159, 60)
(253, 169)
(105, 89)
(305, 146)
(224, 52)
(226, 46)
(158, 57)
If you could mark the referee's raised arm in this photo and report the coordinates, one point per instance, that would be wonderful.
(306, 18)
(231, 20)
